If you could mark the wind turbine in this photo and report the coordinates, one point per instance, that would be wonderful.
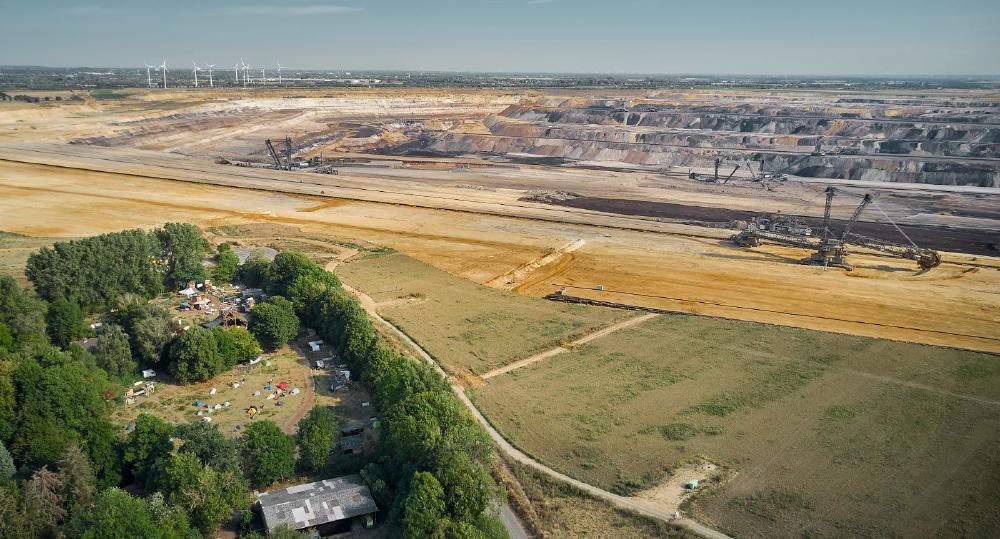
(279, 72)
(163, 67)
(195, 71)
(149, 78)
(263, 80)
(246, 76)
(210, 83)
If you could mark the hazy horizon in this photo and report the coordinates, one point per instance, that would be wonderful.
(917, 38)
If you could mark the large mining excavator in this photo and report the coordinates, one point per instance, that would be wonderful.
(276, 158)
(830, 249)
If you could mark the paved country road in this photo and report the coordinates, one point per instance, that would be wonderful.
(621, 502)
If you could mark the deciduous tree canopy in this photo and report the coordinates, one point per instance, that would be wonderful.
(315, 438)
(269, 453)
(194, 356)
(274, 323)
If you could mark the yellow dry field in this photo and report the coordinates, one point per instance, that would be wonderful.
(469, 223)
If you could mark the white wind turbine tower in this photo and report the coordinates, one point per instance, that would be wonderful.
(149, 78)
(263, 80)
(163, 67)
(210, 83)
(279, 72)
(236, 70)
(246, 74)
(195, 71)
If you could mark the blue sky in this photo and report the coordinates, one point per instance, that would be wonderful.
(874, 37)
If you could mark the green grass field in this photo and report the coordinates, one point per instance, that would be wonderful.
(820, 435)
(469, 327)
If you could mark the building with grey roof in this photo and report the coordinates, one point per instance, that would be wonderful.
(319, 504)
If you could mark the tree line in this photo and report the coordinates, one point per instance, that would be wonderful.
(431, 471)
(95, 272)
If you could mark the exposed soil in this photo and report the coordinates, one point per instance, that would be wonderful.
(956, 240)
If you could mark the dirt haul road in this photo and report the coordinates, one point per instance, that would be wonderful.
(62, 190)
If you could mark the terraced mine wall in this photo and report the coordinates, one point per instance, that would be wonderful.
(883, 142)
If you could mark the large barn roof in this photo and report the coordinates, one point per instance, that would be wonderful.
(313, 504)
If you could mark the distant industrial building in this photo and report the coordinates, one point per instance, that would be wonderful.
(329, 506)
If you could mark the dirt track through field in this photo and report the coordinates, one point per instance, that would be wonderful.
(622, 502)
(560, 349)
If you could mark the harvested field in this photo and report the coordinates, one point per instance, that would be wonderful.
(466, 326)
(15, 250)
(820, 434)
(687, 265)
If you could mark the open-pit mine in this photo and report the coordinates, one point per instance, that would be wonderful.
(834, 219)
(487, 184)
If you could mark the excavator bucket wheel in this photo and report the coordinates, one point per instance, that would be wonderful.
(928, 259)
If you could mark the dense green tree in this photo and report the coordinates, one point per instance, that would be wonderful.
(359, 336)
(6, 339)
(79, 483)
(315, 438)
(7, 467)
(21, 311)
(8, 399)
(117, 514)
(146, 443)
(207, 442)
(269, 454)
(289, 265)
(306, 289)
(58, 404)
(209, 496)
(236, 345)
(113, 352)
(194, 356)
(95, 271)
(184, 248)
(150, 329)
(255, 272)
(274, 323)
(423, 507)
(226, 262)
(467, 485)
(64, 321)
(13, 521)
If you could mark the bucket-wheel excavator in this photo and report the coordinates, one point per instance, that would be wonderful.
(830, 249)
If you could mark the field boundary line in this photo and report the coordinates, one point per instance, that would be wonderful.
(565, 348)
(620, 502)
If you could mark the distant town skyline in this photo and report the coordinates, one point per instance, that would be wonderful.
(766, 37)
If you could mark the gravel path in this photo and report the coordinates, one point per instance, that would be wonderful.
(621, 502)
